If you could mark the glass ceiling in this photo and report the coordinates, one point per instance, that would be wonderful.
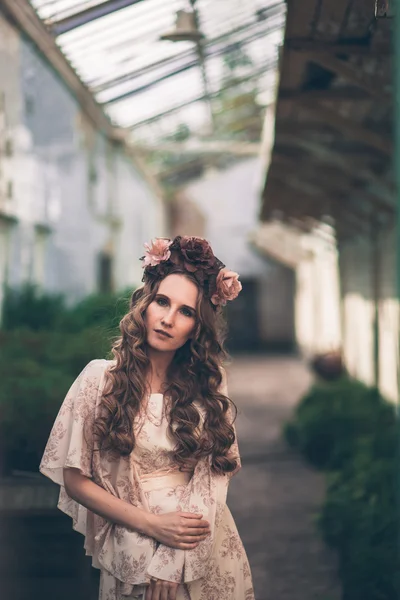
(152, 86)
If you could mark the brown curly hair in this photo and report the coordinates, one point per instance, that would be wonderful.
(195, 373)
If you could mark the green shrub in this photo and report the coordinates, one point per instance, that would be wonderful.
(97, 310)
(331, 417)
(36, 370)
(348, 430)
(30, 396)
(43, 347)
(359, 519)
(29, 307)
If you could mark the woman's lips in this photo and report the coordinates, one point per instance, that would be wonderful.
(163, 333)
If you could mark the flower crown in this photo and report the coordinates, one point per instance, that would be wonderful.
(194, 255)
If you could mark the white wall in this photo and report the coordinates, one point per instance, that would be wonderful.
(359, 307)
(229, 202)
(318, 314)
(71, 192)
(335, 307)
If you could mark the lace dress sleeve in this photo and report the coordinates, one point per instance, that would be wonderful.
(70, 443)
(123, 553)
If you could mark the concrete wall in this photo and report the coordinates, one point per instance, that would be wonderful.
(67, 195)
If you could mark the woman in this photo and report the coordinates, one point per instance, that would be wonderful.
(144, 446)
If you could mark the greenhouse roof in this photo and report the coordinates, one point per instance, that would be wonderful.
(153, 86)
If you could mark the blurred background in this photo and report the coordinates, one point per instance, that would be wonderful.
(269, 128)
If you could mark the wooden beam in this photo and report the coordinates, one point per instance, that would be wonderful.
(331, 94)
(354, 47)
(350, 128)
(298, 204)
(350, 166)
(332, 183)
(354, 75)
(331, 17)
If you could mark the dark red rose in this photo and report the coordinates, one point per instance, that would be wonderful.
(196, 253)
(195, 256)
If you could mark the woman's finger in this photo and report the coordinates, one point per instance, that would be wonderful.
(186, 546)
(164, 590)
(173, 590)
(156, 589)
(198, 531)
(149, 592)
(196, 523)
(190, 539)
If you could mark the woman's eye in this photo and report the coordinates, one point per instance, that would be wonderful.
(187, 312)
(161, 301)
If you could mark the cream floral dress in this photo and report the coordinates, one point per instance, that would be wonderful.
(217, 569)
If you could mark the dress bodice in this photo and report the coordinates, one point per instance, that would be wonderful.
(154, 445)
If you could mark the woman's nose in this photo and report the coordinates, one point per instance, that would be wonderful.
(168, 319)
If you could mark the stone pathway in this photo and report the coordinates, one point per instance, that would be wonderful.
(275, 497)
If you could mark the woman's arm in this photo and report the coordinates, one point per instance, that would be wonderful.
(177, 530)
(98, 500)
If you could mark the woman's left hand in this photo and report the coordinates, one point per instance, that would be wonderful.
(159, 589)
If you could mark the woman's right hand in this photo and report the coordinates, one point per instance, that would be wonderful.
(180, 530)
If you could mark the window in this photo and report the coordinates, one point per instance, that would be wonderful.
(105, 264)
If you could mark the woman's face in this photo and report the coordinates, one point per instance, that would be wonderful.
(171, 317)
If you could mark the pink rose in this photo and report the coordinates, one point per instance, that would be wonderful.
(157, 252)
(228, 287)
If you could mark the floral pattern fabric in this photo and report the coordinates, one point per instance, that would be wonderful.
(217, 569)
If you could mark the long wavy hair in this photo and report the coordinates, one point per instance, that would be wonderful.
(194, 374)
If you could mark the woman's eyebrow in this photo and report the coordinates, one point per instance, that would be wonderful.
(189, 307)
(183, 305)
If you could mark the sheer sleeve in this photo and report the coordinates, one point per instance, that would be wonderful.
(71, 439)
(70, 444)
(205, 494)
(122, 552)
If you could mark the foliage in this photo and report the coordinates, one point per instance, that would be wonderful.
(348, 430)
(40, 356)
(28, 307)
(97, 310)
(333, 416)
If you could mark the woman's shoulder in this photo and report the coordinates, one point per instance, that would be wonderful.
(96, 367)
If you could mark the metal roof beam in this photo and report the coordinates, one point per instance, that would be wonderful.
(88, 15)
(188, 54)
(203, 147)
(176, 71)
(178, 107)
(149, 85)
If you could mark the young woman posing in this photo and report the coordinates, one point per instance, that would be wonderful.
(144, 445)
